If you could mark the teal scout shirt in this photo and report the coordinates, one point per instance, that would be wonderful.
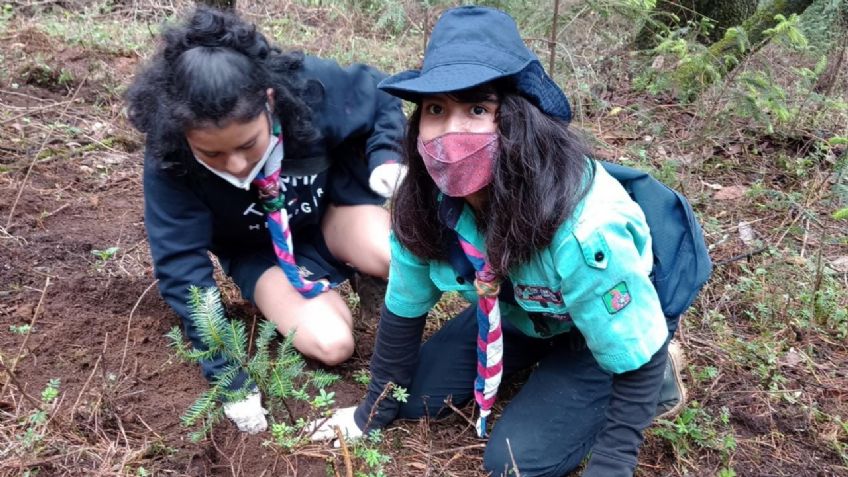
(594, 275)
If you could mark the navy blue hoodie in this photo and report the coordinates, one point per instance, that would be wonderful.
(190, 214)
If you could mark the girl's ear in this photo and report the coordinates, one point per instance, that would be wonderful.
(271, 95)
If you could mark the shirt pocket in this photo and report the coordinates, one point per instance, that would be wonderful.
(592, 262)
(537, 287)
(593, 247)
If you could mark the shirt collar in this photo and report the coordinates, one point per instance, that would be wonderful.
(457, 215)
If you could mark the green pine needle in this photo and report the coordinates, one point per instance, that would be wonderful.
(207, 313)
(322, 379)
(203, 406)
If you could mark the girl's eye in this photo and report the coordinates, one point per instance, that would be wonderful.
(478, 110)
(211, 155)
(247, 146)
(433, 109)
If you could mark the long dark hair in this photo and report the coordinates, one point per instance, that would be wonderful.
(540, 176)
(211, 70)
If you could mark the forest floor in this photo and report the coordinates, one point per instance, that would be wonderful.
(767, 356)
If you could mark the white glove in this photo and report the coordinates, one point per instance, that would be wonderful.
(386, 177)
(343, 418)
(248, 414)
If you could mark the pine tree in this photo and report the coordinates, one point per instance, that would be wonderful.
(279, 376)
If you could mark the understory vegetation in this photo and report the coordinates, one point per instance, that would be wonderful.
(757, 140)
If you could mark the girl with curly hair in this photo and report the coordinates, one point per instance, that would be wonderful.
(276, 162)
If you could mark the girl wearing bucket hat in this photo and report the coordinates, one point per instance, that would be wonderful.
(279, 164)
(502, 205)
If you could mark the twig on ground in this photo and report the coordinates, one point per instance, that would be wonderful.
(50, 214)
(345, 451)
(481, 445)
(47, 138)
(138, 416)
(4, 234)
(512, 458)
(129, 323)
(29, 111)
(467, 419)
(380, 398)
(11, 368)
(742, 256)
(88, 381)
(14, 380)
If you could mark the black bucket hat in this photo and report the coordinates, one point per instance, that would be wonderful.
(474, 45)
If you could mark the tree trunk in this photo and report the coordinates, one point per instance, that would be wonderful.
(220, 4)
(726, 14)
(674, 14)
(724, 55)
(836, 58)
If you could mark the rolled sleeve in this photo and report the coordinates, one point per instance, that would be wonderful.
(609, 294)
(411, 293)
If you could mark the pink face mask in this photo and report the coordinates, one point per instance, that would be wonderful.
(460, 163)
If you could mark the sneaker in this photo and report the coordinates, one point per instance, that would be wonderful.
(673, 392)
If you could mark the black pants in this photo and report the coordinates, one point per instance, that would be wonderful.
(550, 424)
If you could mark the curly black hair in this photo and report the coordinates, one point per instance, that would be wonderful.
(212, 69)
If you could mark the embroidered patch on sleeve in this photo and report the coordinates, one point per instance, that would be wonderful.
(617, 298)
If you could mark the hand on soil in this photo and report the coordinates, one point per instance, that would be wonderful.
(343, 418)
(249, 415)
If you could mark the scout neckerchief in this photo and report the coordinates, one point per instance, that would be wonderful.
(274, 203)
(489, 334)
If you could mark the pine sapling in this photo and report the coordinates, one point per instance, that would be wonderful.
(280, 377)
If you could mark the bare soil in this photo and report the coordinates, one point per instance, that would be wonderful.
(99, 324)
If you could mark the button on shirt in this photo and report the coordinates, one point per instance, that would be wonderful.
(594, 275)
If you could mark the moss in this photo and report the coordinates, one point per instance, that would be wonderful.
(723, 56)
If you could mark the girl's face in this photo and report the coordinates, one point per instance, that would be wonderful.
(234, 148)
(441, 114)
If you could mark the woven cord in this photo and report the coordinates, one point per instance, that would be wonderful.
(274, 204)
(489, 335)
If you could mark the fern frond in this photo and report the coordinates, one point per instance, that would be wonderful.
(286, 369)
(281, 381)
(210, 420)
(260, 363)
(176, 341)
(258, 370)
(286, 350)
(196, 355)
(267, 334)
(322, 379)
(207, 312)
(235, 340)
(203, 406)
(224, 378)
